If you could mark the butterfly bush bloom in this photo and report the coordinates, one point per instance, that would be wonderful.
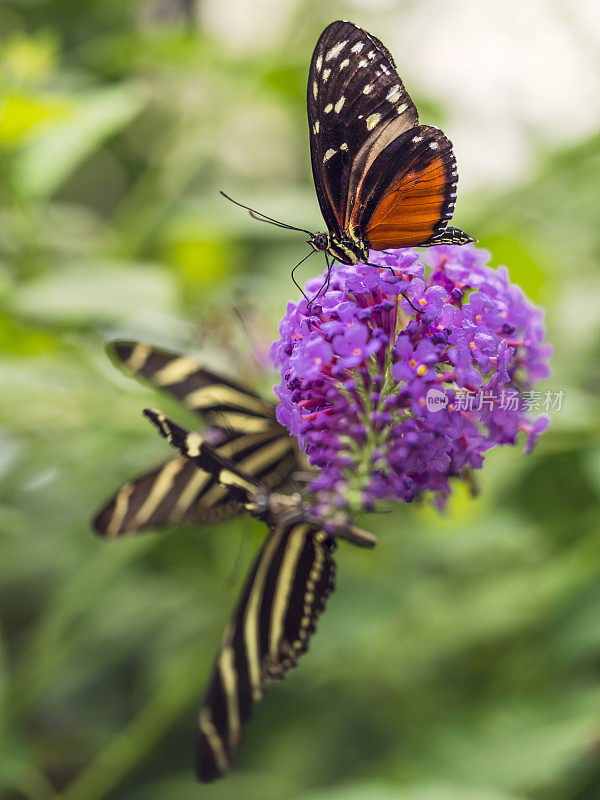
(397, 380)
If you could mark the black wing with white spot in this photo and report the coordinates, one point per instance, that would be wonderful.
(357, 105)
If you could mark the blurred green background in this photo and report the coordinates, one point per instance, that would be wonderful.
(459, 660)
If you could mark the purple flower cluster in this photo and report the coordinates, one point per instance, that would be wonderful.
(373, 372)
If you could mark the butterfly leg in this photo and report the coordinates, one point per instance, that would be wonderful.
(381, 266)
(296, 282)
(416, 310)
(404, 295)
(329, 266)
(325, 285)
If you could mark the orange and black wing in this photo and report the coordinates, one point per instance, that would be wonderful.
(357, 105)
(380, 177)
(408, 195)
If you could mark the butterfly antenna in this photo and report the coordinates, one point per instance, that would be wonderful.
(302, 260)
(260, 217)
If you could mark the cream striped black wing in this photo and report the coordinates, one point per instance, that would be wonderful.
(286, 591)
(219, 401)
(177, 491)
(244, 487)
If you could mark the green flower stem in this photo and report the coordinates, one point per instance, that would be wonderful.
(358, 475)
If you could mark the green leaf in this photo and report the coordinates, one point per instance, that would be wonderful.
(382, 791)
(51, 157)
(97, 291)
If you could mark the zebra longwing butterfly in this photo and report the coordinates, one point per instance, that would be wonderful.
(382, 179)
(177, 491)
(285, 592)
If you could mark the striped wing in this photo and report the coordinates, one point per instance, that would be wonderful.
(219, 401)
(285, 592)
(245, 487)
(178, 491)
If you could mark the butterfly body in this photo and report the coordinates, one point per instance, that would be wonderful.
(347, 248)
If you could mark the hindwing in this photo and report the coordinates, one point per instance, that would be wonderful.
(408, 195)
(284, 594)
(178, 491)
(277, 613)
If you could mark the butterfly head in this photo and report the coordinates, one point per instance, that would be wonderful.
(319, 242)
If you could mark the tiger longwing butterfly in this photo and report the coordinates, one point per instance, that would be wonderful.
(285, 592)
(177, 491)
(382, 180)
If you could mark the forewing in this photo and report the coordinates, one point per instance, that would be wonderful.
(408, 195)
(285, 592)
(173, 492)
(219, 401)
(357, 105)
(179, 491)
(245, 475)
